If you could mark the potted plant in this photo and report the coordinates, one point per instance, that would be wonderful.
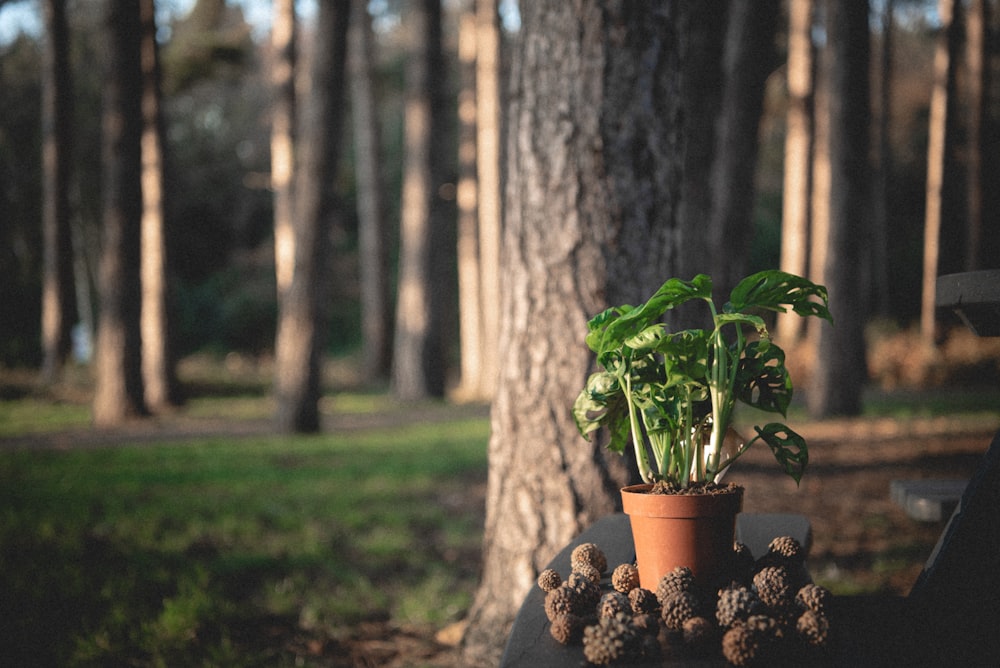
(671, 395)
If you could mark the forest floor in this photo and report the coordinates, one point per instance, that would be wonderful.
(862, 541)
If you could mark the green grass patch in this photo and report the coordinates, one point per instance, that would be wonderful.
(33, 416)
(184, 554)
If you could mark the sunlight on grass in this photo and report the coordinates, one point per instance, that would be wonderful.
(32, 416)
(162, 553)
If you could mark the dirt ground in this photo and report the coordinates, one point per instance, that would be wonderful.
(862, 541)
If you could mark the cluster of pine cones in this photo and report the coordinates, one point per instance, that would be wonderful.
(771, 612)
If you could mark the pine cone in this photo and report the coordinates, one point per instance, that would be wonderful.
(549, 579)
(625, 578)
(773, 585)
(787, 547)
(588, 553)
(736, 604)
(814, 628)
(744, 562)
(588, 590)
(814, 597)
(681, 579)
(698, 631)
(564, 600)
(741, 646)
(643, 600)
(646, 623)
(613, 603)
(678, 608)
(611, 639)
(588, 571)
(567, 628)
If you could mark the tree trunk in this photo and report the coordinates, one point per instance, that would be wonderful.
(118, 392)
(595, 169)
(840, 372)
(418, 358)
(58, 298)
(976, 59)
(489, 201)
(749, 59)
(159, 376)
(944, 77)
(472, 351)
(878, 261)
(283, 67)
(376, 310)
(703, 31)
(798, 175)
(303, 316)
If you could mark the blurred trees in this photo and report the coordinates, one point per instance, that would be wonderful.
(419, 361)
(304, 306)
(117, 362)
(58, 296)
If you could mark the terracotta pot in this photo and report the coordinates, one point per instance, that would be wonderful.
(693, 530)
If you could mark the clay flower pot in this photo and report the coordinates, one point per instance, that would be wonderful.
(693, 530)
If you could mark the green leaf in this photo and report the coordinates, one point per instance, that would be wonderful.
(788, 447)
(602, 403)
(762, 381)
(775, 290)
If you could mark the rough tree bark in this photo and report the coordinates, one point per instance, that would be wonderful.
(418, 353)
(118, 392)
(595, 164)
(839, 372)
(303, 316)
(58, 296)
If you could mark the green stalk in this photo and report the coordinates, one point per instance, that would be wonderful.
(641, 457)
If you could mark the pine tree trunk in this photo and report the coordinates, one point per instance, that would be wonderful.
(488, 180)
(749, 59)
(472, 351)
(118, 392)
(159, 377)
(373, 238)
(283, 69)
(840, 372)
(937, 138)
(590, 219)
(418, 352)
(303, 316)
(976, 108)
(58, 297)
(798, 174)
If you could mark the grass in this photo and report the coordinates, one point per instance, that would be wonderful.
(199, 553)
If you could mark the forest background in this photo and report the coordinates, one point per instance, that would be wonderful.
(216, 114)
(219, 199)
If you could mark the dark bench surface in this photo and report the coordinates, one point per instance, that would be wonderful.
(862, 623)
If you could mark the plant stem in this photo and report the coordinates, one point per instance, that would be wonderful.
(641, 456)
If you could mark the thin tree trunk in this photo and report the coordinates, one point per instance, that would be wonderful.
(376, 308)
(590, 218)
(159, 377)
(879, 260)
(840, 372)
(470, 306)
(749, 59)
(797, 193)
(944, 68)
(283, 68)
(976, 22)
(58, 303)
(303, 316)
(118, 392)
(489, 201)
(418, 358)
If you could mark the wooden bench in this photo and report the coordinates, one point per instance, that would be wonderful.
(928, 500)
